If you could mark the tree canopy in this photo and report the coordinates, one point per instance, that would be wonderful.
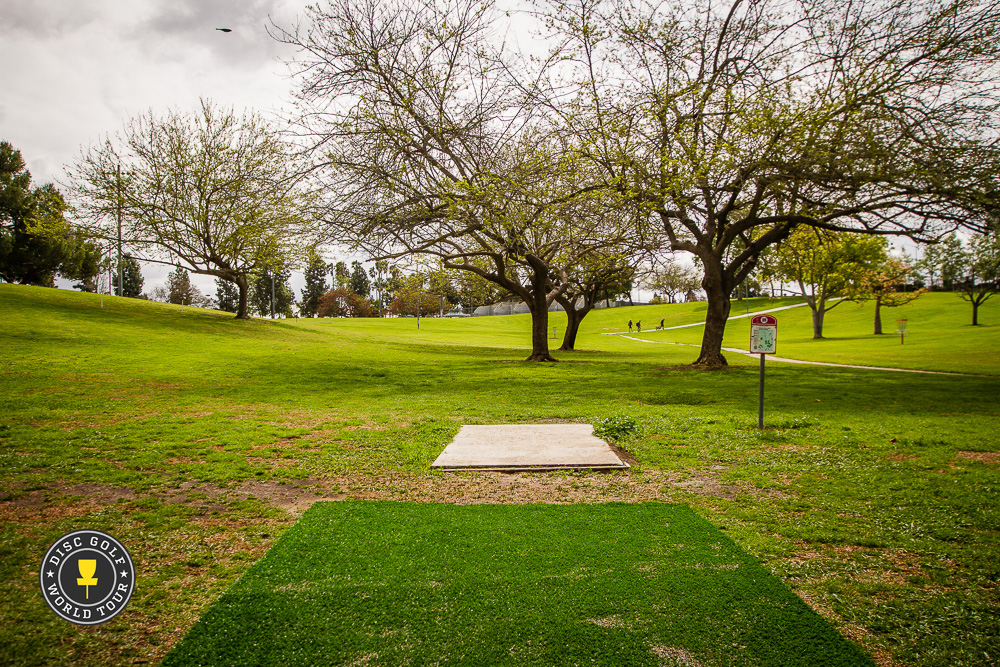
(830, 268)
(974, 270)
(430, 147)
(736, 122)
(212, 191)
(36, 240)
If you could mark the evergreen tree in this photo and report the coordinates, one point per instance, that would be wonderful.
(36, 241)
(131, 278)
(261, 293)
(228, 295)
(179, 287)
(359, 283)
(316, 285)
(341, 275)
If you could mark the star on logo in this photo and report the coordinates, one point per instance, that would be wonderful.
(124, 573)
(50, 574)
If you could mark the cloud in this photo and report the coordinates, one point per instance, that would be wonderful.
(48, 18)
(194, 23)
(85, 67)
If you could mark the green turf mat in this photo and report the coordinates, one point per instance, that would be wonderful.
(389, 583)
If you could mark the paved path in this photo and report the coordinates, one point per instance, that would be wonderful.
(701, 324)
(771, 357)
(736, 350)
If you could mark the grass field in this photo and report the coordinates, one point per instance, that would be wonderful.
(198, 440)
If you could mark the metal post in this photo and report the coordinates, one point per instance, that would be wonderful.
(118, 181)
(760, 396)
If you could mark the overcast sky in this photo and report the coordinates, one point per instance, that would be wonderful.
(75, 70)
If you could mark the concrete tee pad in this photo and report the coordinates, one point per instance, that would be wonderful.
(517, 447)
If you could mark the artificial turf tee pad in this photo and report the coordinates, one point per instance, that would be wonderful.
(388, 583)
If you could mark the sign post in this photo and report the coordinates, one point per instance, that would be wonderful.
(763, 341)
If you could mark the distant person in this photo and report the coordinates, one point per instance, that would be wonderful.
(638, 326)
(630, 326)
(661, 323)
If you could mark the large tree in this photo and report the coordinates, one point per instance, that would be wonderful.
(735, 122)
(430, 147)
(36, 240)
(211, 191)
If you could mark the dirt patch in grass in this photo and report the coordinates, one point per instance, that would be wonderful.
(674, 657)
(467, 488)
(56, 502)
(982, 457)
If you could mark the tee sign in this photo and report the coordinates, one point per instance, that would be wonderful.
(763, 334)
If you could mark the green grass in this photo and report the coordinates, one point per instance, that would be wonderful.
(418, 583)
(941, 337)
(875, 496)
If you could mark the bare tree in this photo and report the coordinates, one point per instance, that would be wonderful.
(212, 192)
(431, 148)
(736, 122)
(673, 278)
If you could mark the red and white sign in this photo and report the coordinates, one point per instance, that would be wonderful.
(763, 334)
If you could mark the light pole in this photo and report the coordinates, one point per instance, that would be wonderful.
(118, 182)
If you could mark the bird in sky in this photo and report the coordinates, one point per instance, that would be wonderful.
(224, 29)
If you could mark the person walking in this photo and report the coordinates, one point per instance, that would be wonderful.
(661, 323)
(638, 326)
(630, 326)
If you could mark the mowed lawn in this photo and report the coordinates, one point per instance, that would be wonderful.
(198, 440)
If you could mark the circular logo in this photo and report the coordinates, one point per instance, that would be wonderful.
(87, 577)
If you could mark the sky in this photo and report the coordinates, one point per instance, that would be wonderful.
(75, 70)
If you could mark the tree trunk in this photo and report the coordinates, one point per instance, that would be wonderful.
(244, 286)
(878, 315)
(539, 307)
(715, 320)
(975, 312)
(818, 311)
(573, 320)
(539, 336)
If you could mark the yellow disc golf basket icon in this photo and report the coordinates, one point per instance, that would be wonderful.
(901, 329)
(87, 569)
